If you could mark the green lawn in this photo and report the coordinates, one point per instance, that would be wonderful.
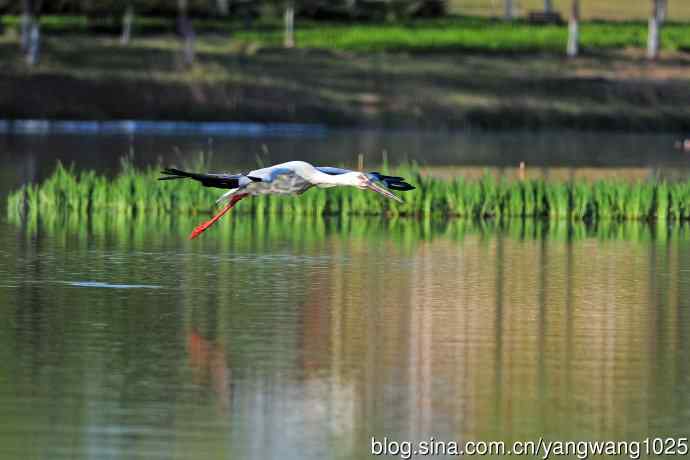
(455, 32)
(478, 34)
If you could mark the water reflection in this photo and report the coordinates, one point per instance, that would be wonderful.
(299, 338)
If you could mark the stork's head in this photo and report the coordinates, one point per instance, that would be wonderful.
(362, 182)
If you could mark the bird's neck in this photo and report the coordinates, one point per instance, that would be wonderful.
(327, 180)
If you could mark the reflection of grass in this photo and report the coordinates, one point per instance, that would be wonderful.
(134, 191)
(256, 232)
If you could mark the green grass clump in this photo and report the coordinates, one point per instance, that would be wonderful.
(135, 191)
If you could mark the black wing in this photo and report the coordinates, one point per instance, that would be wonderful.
(228, 181)
(392, 182)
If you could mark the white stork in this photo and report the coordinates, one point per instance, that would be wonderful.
(293, 177)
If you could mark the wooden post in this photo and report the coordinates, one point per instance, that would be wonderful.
(654, 36)
(360, 162)
(574, 30)
(289, 40)
(521, 171)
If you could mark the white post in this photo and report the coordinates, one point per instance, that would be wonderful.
(654, 39)
(289, 40)
(574, 30)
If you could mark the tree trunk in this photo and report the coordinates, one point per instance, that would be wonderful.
(548, 6)
(34, 43)
(662, 9)
(186, 30)
(289, 40)
(574, 30)
(654, 37)
(26, 22)
(30, 40)
(509, 10)
(127, 20)
(223, 7)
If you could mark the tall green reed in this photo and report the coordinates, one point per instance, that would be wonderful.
(137, 191)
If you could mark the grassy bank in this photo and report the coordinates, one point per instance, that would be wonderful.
(138, 192)
(450, 73)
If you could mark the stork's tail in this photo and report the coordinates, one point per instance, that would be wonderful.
(201, 228)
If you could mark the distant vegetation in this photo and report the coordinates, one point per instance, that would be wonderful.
(134, 191)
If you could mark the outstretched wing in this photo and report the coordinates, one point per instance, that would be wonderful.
(280, 179)
(391, 182)
(227, 181)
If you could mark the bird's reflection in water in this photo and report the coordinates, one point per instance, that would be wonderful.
(208, 362)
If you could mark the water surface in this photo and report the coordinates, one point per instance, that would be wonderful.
(298, 338)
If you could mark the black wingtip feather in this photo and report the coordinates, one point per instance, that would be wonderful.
(400, 186)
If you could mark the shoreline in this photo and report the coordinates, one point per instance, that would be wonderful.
(97, 79)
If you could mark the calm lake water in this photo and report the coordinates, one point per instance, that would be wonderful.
(297, 338)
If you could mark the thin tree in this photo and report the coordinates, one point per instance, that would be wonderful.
(30, 40)
(26, 20)
(509, 10)
(127, 20)
(574, 30)
(186, 31)
(662, 10)
(654, 36)
(222, 7)
(548, 6)
(289, 39)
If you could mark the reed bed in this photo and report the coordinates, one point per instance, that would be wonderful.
(135, 191)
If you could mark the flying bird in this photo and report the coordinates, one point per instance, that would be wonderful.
(293, 177)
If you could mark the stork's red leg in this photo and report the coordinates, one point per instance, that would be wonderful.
(202, 227)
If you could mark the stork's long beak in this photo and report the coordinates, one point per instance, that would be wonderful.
(382, 191)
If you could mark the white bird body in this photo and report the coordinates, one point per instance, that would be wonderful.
(292, 177)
